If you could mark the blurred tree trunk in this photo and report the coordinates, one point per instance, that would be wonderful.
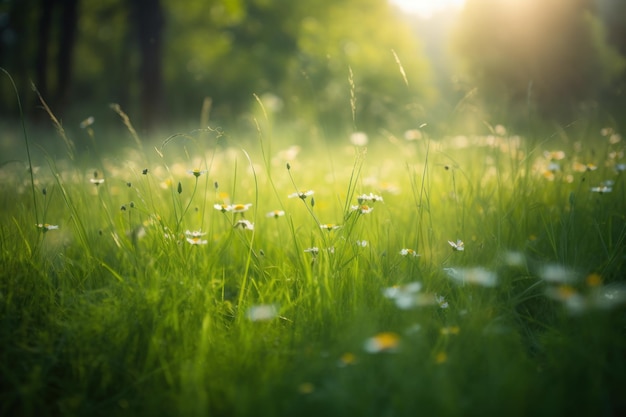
(68, 20)
(62, 15)
(44, 39)
(14, 57)
(148, 20)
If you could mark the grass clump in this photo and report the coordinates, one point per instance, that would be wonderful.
(448, 276)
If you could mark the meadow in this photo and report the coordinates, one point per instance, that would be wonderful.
(211, 274)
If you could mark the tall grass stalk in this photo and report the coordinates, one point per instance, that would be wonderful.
(26, 144)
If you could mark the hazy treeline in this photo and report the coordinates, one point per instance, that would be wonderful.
(353, 63)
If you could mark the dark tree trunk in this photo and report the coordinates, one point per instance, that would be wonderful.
(69, 23)
(148, 20)
(56, 17)
(43, 45)
(14, 57)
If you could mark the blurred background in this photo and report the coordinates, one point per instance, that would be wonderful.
(336, 65)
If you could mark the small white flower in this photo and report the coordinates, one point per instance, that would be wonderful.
(195, 237)
(240, 208)
(512, 258)
(222, 207)
(369, 198)
(441, 301)
(605, 187)
(45, 227)
(194, 233)
(314, 250)
(196, 172)
(573, 301)
(409, 296)
(275, 213)
(262, 312)
(329, 226)
(358, 139)
(606, 131)
(580, 167)
(196, 240)
(400, 290)
(609, 296)
(87, 122)
(553, 167)
(477, 276)
(301, 194)
(408, 252)
(96, 181)
(362, 243)
(554, 155)
(362, 208)
(245, 224)
(500, 130)
(413, 134)
(459, 246)
(382, 342)
(554, 273)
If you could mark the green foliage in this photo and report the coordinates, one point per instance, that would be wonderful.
(104, 47)
(228, 50)
(362, 37)
(342, 65)
(292, 51)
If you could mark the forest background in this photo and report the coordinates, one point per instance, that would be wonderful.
(332, 65)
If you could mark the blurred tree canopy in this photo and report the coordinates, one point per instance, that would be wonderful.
(346, 64)
(160, 59)
(553, 55)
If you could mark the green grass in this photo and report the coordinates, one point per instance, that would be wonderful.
(117, 313)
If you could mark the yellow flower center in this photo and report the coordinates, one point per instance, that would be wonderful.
(441, 357)
(348, 358)
(306, 388)
(450, 330)
(386, 340)
(594, 280)
(566, 292)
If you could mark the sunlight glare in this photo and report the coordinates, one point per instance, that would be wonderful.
(426, 8)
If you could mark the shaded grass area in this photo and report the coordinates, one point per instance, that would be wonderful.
(152, 298)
